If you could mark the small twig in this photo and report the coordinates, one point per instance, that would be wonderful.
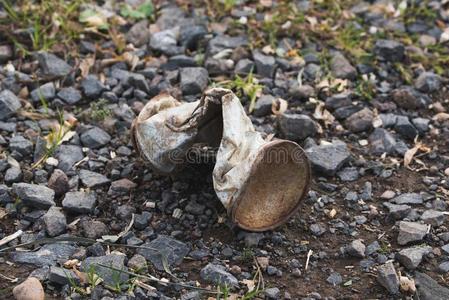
(12, 280)
(11, 237)
(309, 254)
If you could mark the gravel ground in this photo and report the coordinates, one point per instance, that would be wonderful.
(366, 88)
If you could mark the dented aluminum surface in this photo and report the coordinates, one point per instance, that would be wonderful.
(261, 182)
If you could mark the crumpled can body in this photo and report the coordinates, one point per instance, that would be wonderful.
(261, 182)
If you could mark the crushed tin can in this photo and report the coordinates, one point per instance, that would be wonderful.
(261, 182)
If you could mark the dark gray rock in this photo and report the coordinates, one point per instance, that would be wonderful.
(125, 211)
(327, 159)
(313, 71)
(412, 257)
(411, 232)
(300, 92)
(48, 255)
(173, 250)
(68, 155)
(381, 141)
(360, 121)
(195, 208)
(20, 144)
(244, 66)
(223, 42)
(13, 175)
(445, 249)
(165, 41)
(338, 100)
(389, 50)
(296, 127)
(342, 68)
(429, 289)
(139, 82)
(388, 278)
(59, 182)
(263, 106)
(422, 124)
(191, 36)
(217, 274)
(265, 64)
(79, 202)
(34, 195)
(193, 80)
(409, 98)
(405, 128)
(397, 212)
(52, 66)
(142, 220)
(433, 217)
(45, 92)
(121, 187)
(317, 229)
(139, 34)
(95, 138)
(356, 249)
(92, 179)
(62, 276)
(55, 221)
(428, 82)
(92, 87)
(388, 120)
(408, 198)
(69, 95)
(110, 276)
(94, 229)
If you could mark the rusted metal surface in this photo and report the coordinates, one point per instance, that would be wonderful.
(260, 182)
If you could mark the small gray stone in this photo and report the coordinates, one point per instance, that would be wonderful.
(68, 155)
(53, 66)
(296, 127)
(381, 141)
(223, 42)
(59, 182)
(70, 95)
(443, 267)
(356, 248)
(141, 220)
(397, 212)
(422, 124)
(137, 263)
(20, 144)
(360, 121)
(244, 66)
(92, 179)
(95, 138)
(388, 278)
(48, 255)
(412, 257)
(92, 87)
(79, 202)
(139, 34)
(263, 106)
(342, 68)
(107, 274)
(195, 208)
(348, 174)
(13, 175)
(408, 198)
(45, 92)
(389, 50)
(411, 232)
(428, 82)
(433, 217)
(173, 250)
(217, 274)
(193, 80)
(317, 229)
(273, 293)
(62, 276)
(165, 41)
(265, 64)
(34, 195)
(445, 249)
(94, 229)
(405, 128)
(55, 221)
(334, 279)
(327, 159)
(409, 98)
(429, 289)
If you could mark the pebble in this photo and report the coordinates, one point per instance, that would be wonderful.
(52, 66)
(327, 159)
(30, 289)
(193, 80)
(388, 278)
(79, 202)
(55, 221)
(217, 274)
(92, 179)
(412, 257)
(411, 232)
(95, 138)
(296, 127)
(108, 275)
(34, 195)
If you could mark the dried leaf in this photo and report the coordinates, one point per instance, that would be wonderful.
(321, 113)
(85, 66)
(441, 117)
(131, 59)
(71, 263)
(410, 153)
(279, 106)
(407, 285)
(249, 284)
